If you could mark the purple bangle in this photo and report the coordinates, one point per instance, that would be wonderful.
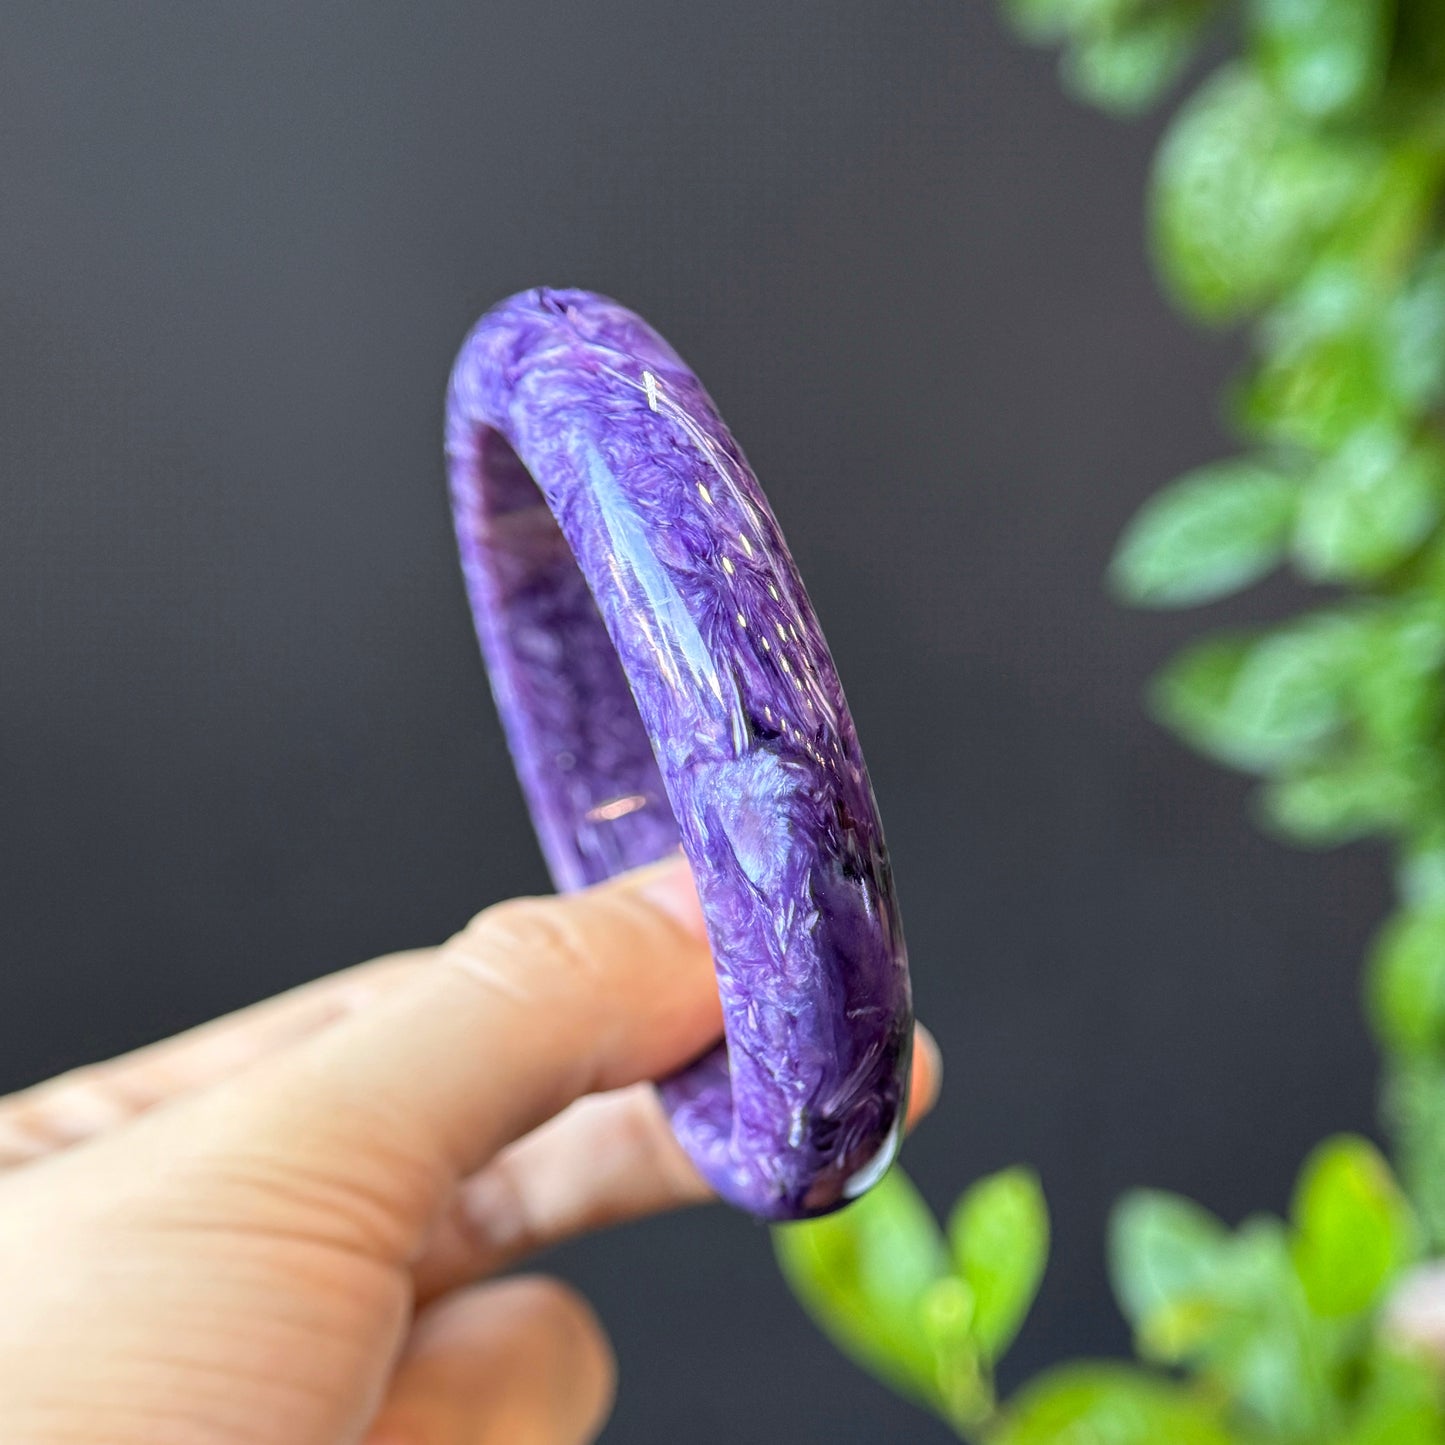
(662, 678)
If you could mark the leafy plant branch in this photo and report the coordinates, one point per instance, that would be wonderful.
(1296, 192)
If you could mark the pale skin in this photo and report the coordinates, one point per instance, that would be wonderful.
(279, 1228)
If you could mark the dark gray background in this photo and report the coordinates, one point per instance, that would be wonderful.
(244, 734)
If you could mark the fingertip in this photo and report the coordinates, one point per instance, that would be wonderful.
(551, 1310)
(668, 887)
(524, 1358)
(927, 1079)
(535, 1003)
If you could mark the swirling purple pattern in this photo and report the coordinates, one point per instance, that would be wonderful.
(662, 678)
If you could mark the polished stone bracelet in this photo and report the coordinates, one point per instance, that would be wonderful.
(662, 678)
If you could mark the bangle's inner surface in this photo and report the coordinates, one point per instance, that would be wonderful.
(583, 755)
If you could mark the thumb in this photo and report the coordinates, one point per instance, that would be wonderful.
(520, 1362)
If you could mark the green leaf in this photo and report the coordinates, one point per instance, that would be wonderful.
(1348, 347)
(1047, 20)
(1243, 195)
(1206, 535)
(1266, 1350)
(1405, 982)
(1414, 1109)
(1339, 801)
(1400, 1401)
(962, 1389)
(1353, 1230)
(1419, 55)
(1228, 1305)
(1324, 57)
(1318, 393)
(1415, 328)
(1323, 371)
(1037, 20)
(1040, 20)
(1383, 234)
(1368, 507)
(1420, 866)
(864, 1275)
(1164, 1259)
(1128, 66)
(1259, 702)
(1399, 691)
(1107, 1404)
(999, 1232)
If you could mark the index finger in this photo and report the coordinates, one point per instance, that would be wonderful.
(83, 1102)
(536, 1003)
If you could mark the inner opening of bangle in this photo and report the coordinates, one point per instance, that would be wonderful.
(583, 755)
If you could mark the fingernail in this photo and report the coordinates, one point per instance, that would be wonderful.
(932, 1071)
(669, 888)
(489, 1202)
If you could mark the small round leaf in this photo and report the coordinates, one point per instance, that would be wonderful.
(1206, 535)
(1354, 1232)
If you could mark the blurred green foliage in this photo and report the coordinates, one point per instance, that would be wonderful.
(1265, 1333)
(928, 1311)
(1298, 192)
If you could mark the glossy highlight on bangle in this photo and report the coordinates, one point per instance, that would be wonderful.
(662, 679)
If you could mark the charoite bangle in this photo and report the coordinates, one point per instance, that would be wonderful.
(662, 679)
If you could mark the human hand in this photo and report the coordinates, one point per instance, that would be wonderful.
(269, 1231)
